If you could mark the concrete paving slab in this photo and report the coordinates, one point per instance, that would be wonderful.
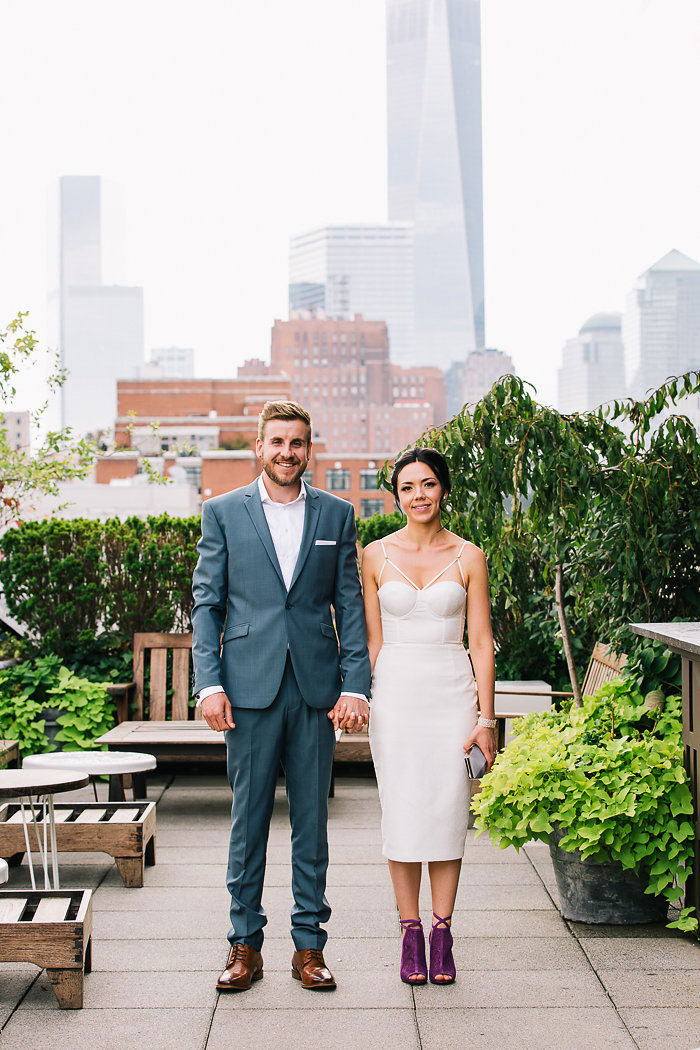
(15, 980)
(373, 989)
(636, 953)
(646, 931)
(491, 954)
(485, 874)
(514, 896)
(177, 875)
(137, 925)
(671, 1029)
(163, 899)
(115, 1029)
(475, 853)
(321, 1028)
(524, 988)
(650, 988)
(86, 876)
(134, 991)
(505, 923)
(524, 1029)
(160, 956)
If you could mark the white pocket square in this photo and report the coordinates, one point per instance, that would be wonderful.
(326, 543)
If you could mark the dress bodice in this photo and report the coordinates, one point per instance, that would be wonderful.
(430, 615)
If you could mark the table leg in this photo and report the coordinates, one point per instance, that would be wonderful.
(116, 791)
(26, 843)
(139, 784)
(54, 847)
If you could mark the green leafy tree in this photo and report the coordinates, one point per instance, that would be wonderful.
(589, 520)
(60, 456)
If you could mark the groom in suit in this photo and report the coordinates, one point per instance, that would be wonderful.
(274, 558)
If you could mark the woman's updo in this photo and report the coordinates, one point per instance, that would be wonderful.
(432, 458)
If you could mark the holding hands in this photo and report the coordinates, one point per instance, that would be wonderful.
(350, 713)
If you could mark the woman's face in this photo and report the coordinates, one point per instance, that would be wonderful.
(419, 493)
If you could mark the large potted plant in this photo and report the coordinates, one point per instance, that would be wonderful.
(604, 785)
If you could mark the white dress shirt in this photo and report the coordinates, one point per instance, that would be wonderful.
(286, 524)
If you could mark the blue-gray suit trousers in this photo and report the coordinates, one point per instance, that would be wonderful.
(302, 739)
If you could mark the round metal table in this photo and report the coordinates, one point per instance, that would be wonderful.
(110, 764)
(28, 784)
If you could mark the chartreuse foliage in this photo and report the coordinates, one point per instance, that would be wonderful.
(86, 710)
(610, 774)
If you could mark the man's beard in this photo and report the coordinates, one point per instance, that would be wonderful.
(290, 479)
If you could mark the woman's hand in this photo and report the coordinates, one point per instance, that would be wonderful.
(486, 740)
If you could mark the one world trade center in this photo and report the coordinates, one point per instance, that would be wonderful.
(435, 167)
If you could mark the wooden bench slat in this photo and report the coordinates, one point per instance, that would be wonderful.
(16, 818)
(90, 816)
(159, 664)
(62, 815)
(181, 682)
(124, 816)
(52, 909)
(11, 909)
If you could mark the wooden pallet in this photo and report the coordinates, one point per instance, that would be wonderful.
(124, 830)
(52, 929)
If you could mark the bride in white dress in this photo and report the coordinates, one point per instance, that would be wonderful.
(419, 583)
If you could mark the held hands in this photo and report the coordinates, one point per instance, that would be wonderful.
(486, 741)
(349, 713)
(217, 712)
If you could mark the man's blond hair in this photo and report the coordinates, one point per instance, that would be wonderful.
(286, 410)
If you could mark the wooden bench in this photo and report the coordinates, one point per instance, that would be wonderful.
(53, 930)
(604, 666)
(173, 731)
(124, 830)
(9, 754)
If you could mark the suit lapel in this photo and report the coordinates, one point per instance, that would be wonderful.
(257, 516)
(311, 516)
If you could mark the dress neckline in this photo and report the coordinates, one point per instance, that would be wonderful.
(430, 583)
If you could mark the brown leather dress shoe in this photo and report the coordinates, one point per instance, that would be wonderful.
(244, 966)
(309, 967)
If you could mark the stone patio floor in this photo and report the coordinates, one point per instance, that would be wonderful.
(527, 980)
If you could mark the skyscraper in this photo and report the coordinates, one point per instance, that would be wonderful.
(593, 365)
(100, 326)
(359, 268)
(661, 326)
(435, 166)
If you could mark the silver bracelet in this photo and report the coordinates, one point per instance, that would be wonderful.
(487, 723)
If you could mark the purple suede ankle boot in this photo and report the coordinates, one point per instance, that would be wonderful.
(441, 961)
(413, 967)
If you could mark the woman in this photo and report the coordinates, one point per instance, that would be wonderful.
(418, 582)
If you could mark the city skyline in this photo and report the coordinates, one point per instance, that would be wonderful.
(206, 228)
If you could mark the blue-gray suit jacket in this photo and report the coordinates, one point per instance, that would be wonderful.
(238, 587)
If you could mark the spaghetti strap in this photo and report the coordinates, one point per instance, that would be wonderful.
(459, 565)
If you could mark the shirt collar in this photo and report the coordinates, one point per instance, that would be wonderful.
(265, 496)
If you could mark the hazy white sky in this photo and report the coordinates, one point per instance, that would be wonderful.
(229, 125)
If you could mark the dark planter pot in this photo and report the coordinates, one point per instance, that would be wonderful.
(52, 726)
(602, 891)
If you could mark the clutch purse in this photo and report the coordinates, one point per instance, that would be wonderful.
(475, 761)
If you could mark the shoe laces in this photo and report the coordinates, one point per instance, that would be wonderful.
(237, 951)
(312, 955)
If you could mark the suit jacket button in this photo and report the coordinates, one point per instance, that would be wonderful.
(287, 605)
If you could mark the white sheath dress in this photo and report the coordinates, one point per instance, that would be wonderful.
(424, 706)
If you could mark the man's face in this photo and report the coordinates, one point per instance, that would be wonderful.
(284, 450)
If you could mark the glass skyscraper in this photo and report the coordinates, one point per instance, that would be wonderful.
(359, 268)
(435, 166)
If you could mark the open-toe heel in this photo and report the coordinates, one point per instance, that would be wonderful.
(413, 966)
(442, 963)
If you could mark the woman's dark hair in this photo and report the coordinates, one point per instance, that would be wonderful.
(432, 458)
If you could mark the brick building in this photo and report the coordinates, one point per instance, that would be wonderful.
(341, 372)
(199, 414)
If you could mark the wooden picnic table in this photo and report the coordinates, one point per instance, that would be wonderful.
(9, 754)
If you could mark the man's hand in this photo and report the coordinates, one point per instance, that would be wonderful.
(217, 712)
(349, 713)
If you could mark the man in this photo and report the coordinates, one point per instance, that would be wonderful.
(274, 557)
